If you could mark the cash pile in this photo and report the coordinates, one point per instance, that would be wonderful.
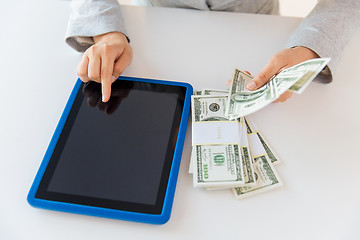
(229, 150)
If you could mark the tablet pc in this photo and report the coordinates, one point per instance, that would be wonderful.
(118, 159)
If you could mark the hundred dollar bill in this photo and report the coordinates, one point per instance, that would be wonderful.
(218, 166)
(216, 92)
(248, 170)
(253, 129)
(267, 178)
(208, 108)
(312, 68)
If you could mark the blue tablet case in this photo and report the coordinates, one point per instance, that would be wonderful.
(106, 212)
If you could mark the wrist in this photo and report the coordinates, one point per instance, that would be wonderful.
(306, 52)
(109, 36)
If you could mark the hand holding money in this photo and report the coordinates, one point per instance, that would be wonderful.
(242, 102)
(281, 60)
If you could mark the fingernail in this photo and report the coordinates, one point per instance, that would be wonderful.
(113, 78)
(103, 98)
(251, 85)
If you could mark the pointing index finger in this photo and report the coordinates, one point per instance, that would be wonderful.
(107, 66)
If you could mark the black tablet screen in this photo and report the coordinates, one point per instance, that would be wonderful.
(117, 154)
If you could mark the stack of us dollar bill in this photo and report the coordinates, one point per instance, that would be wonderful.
(229, 150)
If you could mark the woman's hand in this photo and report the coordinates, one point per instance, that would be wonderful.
(104, 61)
(280, 61)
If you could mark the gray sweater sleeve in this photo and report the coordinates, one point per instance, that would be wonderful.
(91, 18)
(326, 31)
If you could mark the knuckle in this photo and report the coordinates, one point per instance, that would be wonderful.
(108, 53)
(106, 47)
(262, 77)
(106, 71)
(118, 71)
(107, 50)
(81, 75)
(91, 50)
(80, 71)
(93, 76)
(105, 76)
(83, 78)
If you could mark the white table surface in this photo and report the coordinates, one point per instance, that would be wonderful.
(316, 134)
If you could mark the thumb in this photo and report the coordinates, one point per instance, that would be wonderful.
(272, 68)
